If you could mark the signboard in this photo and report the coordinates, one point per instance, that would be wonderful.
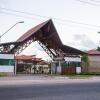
(72, 59)
(58, 58)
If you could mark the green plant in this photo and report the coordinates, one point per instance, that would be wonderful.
(3, 74)
(98, 48)
(89, 73)
(85, 59)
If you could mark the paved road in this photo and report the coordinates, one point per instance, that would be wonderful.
(62, 91)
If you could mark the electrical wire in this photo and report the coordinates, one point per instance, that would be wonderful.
(60, 23)
(27, 13)
(40, 16)
(27, 17)
(89, 3)
(95, 1)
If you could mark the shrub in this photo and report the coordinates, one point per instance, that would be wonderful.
(3, 74)
(89, 73)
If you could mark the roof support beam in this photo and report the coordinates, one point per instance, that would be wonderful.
(47, 50)
(22, 46)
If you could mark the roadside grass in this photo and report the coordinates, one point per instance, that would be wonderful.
(79, 76)
(76, 76)
(2, 74)
(82, 75)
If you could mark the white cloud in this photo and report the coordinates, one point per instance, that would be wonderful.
(35, 49)
(43, 55)
(82, 41)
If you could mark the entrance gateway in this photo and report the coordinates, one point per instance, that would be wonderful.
(75, 60)
(67, 65)
(46, 36)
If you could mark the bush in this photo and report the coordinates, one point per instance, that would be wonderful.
(3, 74)
(89, 73)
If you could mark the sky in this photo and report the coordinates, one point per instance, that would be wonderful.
(77, 21)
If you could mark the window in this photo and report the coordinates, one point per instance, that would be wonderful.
(64, 64)
(78, 64)
(8, 62)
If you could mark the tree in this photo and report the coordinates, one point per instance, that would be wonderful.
(85, 59)
(98, 48)
(85, 63)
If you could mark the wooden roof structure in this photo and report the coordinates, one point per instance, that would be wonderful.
(46, 35)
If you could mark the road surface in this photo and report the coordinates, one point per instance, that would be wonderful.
(55, 91)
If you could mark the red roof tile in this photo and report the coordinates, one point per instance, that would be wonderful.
(43, 63)
(36, 59)
(31, 31)
(24, 57)
(93, 52)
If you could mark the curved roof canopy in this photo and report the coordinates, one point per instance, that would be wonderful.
(47, 34)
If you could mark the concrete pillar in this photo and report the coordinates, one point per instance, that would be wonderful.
(51, 68)
(15, 67)
(59, 67)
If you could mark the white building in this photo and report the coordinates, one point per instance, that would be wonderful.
(7, 64)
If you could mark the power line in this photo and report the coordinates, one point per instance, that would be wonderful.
(68, 25)
(7, 13)
(57, 19)
(96, 1)
(71, 21)
(65, 24)
(28, 13)
(89, 3)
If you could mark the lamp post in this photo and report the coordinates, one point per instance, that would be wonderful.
(9, 29)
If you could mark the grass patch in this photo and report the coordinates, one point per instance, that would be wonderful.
(2, 74)
(90, 73)
(79, 76)
(72, 76)
(83, 75)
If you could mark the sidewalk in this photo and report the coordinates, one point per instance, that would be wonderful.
(44, 80)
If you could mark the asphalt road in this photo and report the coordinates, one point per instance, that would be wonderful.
(74, 91)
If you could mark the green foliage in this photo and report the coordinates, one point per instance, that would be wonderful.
(85, 59)
(2, 74)
(98, 48)
(89, 73)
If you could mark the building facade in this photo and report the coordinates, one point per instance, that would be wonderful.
(7, 64)
(94, 61)
(26, 64)
(67, 65)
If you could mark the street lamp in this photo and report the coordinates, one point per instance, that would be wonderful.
(10, 29)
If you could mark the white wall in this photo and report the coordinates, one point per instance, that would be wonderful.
(6, 68)
(59, 69)
(78, 70)
(6, 56)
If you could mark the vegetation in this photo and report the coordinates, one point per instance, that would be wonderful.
(2, 74)
(89, 73)
(85, 59)
(98, 48)
(80, 77)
